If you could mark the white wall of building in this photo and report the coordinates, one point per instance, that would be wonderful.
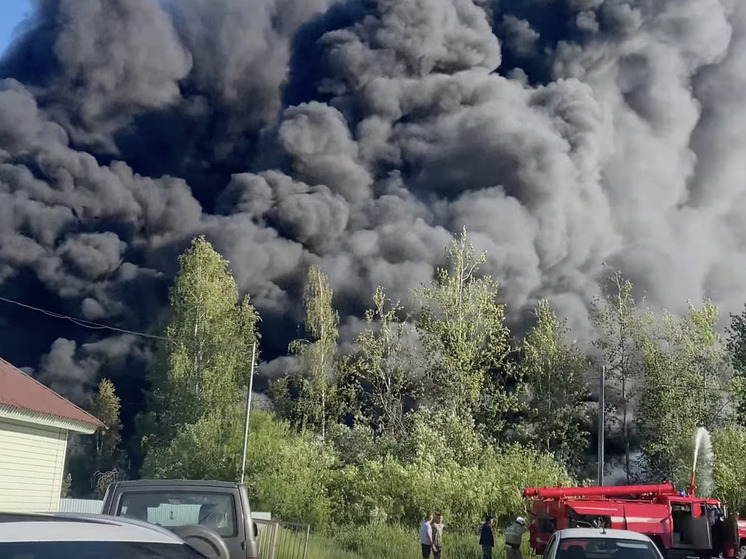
(32, 462)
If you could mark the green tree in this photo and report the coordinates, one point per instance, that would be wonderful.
(98, 459)
(463, 337)
(385, 363)
(67, 483)
(554, 371)
(687, 372)
(736, 344)
(106, 407)
(616, 320)
(317, 354)
(729, 448)
(205, 365)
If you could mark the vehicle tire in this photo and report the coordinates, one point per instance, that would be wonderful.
(741, 553)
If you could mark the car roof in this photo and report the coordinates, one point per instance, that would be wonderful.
(602, 534)
(168, 483)
(59, 527)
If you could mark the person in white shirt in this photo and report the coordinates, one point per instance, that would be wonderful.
(426, 536)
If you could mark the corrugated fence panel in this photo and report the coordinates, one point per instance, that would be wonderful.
(88, 506)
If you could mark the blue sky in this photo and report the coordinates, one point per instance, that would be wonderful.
(12, 13)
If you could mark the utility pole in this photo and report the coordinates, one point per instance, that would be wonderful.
(248, 410)
(601, 426)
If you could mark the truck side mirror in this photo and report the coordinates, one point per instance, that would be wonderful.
(204, 540)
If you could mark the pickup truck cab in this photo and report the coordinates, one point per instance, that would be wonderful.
(172, 503)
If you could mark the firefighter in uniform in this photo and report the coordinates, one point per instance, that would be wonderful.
(513, 536)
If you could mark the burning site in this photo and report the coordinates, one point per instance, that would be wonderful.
(437, 224)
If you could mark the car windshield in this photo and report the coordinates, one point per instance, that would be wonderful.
(96, 550)
(605, 548)
(182, 508)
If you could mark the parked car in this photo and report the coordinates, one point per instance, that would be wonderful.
(89, 536)
(599, 543)
(173, 503)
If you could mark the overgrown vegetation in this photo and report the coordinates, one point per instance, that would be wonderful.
(438, 409)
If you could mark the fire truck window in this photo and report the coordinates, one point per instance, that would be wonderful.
(680, 512)
(547, 525)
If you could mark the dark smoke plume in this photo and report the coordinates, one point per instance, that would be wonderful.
(356, 135)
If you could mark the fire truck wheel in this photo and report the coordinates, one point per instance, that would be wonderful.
(741, 553)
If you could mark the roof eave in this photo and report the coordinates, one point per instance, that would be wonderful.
(48, 420)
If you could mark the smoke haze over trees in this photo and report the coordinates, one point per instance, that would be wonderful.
(370, 434)
(355, 136)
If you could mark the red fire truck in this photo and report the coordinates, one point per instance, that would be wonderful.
(677, 521)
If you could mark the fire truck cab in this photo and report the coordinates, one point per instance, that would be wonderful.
(679, 523)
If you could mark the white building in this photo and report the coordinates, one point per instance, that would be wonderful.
(34, 426)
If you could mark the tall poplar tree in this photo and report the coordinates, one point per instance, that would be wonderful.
(317, 353)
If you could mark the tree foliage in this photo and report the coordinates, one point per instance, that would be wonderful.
(615, 316)
(106, 407)
(463, 337)
(98, 459)
(687, 375)
(736, 344)
(308, 398)
(729, 447)
(204, 367)
(383, 364)
(425, 409)
(555, 373)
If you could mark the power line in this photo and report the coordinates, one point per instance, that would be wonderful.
(84, 323)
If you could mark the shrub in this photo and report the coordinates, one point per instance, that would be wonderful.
(389, 491)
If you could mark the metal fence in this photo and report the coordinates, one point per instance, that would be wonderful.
(92, 506)
(282, 540)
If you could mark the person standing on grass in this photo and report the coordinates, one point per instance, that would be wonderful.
(437, 528)
(487, 538)
(426, 536)
(513, 537)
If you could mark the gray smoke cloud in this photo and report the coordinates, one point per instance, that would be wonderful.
(357, 136)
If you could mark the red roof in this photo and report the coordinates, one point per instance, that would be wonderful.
(21, 391)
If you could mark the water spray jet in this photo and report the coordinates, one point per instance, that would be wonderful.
(703, 451)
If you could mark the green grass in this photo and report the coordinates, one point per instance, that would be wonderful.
(321, 547)
(290, 545)
(398, 542)
(377, 542)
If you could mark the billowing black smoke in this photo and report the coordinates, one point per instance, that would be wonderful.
(355, 135)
